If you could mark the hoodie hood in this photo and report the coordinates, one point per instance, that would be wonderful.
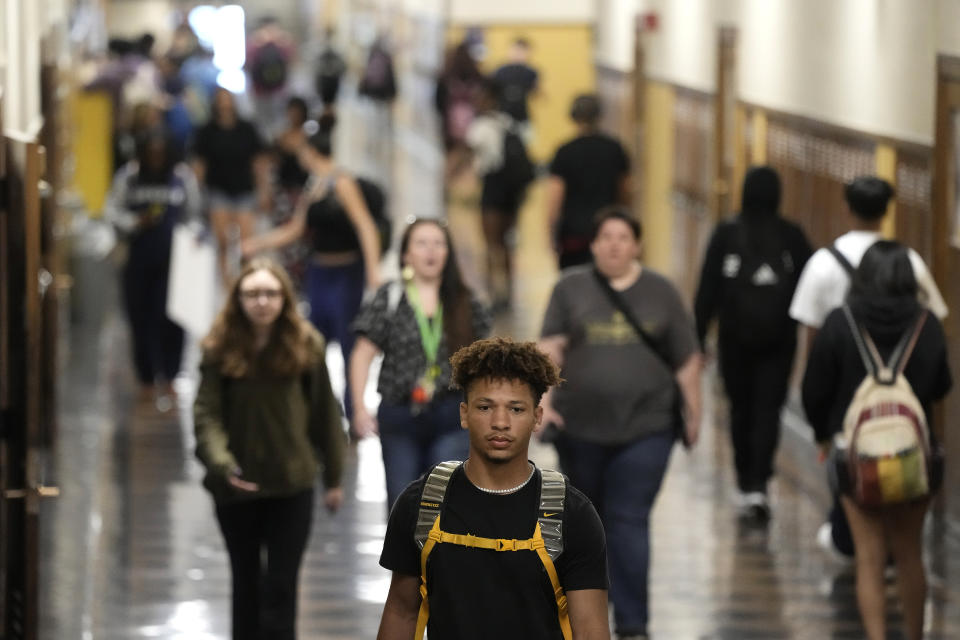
(761, 192)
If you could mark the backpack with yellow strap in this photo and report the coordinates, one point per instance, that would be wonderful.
(547, 540)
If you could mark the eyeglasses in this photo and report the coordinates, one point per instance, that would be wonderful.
(256, 294)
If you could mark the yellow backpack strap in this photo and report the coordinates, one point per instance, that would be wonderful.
(427, 531)
(553, 490)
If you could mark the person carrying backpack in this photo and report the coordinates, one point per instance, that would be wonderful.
(824, 283)
(415, 323)
(874, 371)
(500, 160)
(330, 68)
(749, 274)
(495, 527)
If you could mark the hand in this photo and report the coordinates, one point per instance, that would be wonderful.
(249, 247)
(692, 428)
(364, 424)
(550, 416)
(333, 499)
(243, 486)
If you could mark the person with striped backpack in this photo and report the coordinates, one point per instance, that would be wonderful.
(875, 369)
(494, 547)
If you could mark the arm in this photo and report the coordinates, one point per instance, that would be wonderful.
(326, 432)
(114, 209)
(364, 351)
(688, 377)
(554, 346)
(554, 197)
(211, 435)
(708, 290)
(626, 188)
(399, 619)
(194, 201)
(588, 614)
(820, 381)
(262, 175)
(349, 195)
(282, 235)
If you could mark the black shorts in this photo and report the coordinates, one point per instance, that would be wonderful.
(498, 196)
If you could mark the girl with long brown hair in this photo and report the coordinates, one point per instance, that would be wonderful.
(416, 324)
(266, 421)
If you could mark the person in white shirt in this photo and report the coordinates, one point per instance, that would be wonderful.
(824, 282)
(823, 287)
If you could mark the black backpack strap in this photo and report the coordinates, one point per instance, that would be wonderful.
(842, 259)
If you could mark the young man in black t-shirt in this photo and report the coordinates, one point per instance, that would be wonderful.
(588, 173)
(483, 593)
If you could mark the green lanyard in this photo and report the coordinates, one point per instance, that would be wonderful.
(430, 332)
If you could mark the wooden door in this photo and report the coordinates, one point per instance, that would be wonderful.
(724, 113)
(946, 252)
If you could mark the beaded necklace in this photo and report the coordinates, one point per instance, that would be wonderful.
(511, 489)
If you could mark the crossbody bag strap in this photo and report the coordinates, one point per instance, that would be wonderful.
(621, 305)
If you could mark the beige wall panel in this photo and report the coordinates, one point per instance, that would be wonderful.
(658, 181)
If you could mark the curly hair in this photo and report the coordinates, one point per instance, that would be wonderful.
(504, 359)
(293, 345)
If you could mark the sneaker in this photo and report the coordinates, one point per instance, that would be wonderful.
(825, 542)
(754, 506)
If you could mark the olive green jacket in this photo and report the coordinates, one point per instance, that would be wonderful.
(277, 432)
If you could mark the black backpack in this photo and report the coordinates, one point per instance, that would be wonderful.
(269, 70)
(759, 282)
(517, 170)
(378, 81)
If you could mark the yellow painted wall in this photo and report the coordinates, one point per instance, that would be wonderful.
(563, 54)
(658, 152)
(92, 115)
(886, 162)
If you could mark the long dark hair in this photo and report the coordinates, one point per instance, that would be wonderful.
(460, 64)
(146, 144)
(454, 293)
(884, 272)
(292, 346)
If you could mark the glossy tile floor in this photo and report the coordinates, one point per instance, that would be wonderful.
(132, 550)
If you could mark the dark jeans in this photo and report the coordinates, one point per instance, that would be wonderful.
(622, 481)
(756, 384)
(412, 443)
(157, 340)
(265, 588)
(335, 294)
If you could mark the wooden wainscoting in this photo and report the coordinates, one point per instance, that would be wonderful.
(692, 185)
(815, 161)
(914, 181)
(615, 89)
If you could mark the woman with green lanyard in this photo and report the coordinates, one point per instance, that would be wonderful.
(416, 324)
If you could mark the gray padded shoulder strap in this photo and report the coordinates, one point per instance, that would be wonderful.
(434, 489)
(553, 490)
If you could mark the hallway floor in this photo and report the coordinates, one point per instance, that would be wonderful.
(132, 549)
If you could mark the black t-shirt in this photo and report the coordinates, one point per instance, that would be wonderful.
(516, 82)
(482, 594)
(592, 168)
(228, 155)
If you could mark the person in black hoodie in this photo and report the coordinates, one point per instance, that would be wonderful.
(883, 300)
(749, 274)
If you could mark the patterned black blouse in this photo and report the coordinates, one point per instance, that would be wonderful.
(397, 335)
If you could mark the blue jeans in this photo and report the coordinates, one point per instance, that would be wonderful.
(412, 443)
(335, 294)
(622, 481)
